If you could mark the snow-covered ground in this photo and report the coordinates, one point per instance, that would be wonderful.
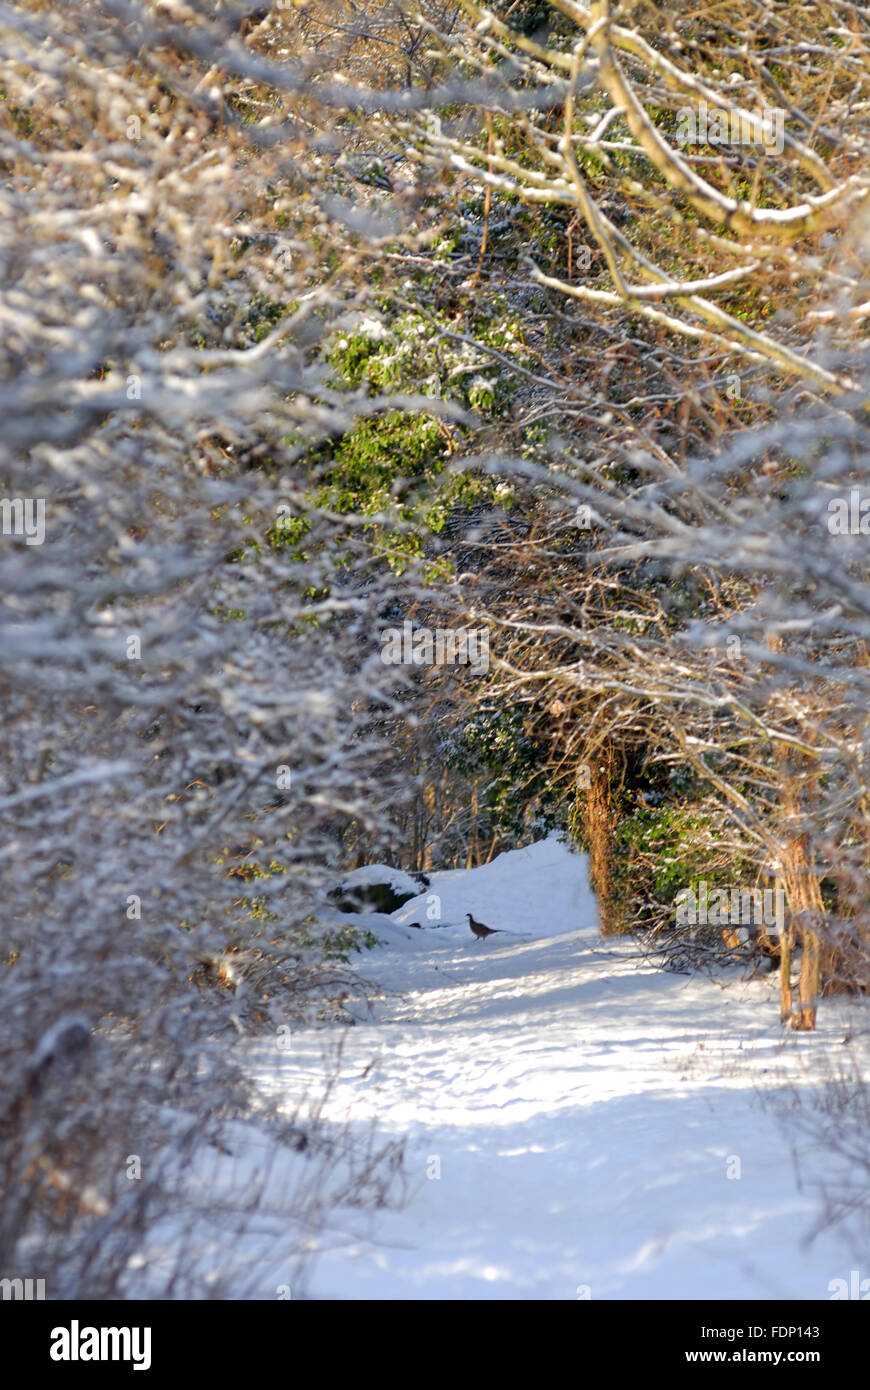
(576, 1122)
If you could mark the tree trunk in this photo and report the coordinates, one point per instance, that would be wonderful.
(807, 911)
(598, 826)
(473, 848)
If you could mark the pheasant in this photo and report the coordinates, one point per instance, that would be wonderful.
(480, 931)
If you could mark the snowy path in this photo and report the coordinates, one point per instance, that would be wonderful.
(570, 1117)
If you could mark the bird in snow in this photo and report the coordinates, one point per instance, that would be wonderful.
(480, 931)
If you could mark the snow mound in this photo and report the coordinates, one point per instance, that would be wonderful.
(380, 873)
(542, 890)
(375, 886)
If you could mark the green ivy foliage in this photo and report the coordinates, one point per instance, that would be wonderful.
(519, 795)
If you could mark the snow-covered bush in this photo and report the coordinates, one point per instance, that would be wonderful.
(189, 701)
